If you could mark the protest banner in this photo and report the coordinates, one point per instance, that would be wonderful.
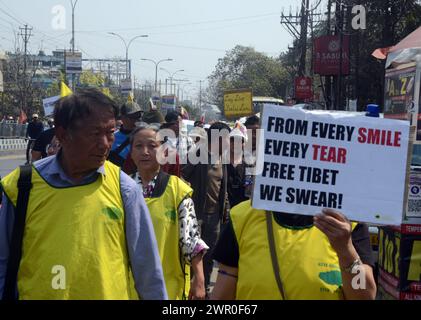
(73, 62)
(400, 263)
(188, 125)
(238, 103)
(316, 159)
(168, 103)
(48, 104)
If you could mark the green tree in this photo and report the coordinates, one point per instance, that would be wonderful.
(244, 67)
(387, 22)
(89, 79)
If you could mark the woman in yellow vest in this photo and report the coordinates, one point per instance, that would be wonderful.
(172, 210)
(272, 256)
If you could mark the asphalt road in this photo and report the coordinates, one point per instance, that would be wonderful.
(8, 162)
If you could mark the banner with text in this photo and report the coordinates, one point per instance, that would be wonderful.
(319, 159)
(48, 104)
(238, 103)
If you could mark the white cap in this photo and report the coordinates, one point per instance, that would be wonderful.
(198, 132)
(239, 131)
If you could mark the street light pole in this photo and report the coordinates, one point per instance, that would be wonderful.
(73, 24)
(73, 37)
(171, 76)
(127, 45)
(156, 69)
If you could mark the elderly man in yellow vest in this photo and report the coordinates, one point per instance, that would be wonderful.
(274, 255)
(85, 218)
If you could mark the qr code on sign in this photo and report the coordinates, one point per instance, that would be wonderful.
(414, 208)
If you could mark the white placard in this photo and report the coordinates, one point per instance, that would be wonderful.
(48, 104)
(318, 159)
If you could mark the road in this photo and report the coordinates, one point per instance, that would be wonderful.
(10, 162)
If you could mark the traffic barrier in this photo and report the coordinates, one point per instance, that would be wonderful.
(12, 130)
(13, 144)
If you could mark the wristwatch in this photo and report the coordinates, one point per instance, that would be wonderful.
(357, 262)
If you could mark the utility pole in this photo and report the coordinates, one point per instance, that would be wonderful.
(290, 21)
(303, 37)
(340, 30)
(328, 79)
(200, 96)
(73, 38)
(25, 32)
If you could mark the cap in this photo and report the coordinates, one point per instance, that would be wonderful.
(198, 132)
(199, 123)
(172, 116)
(373, 110)
(131, 109)
(239, 131)
(153, 116)
(35, 115)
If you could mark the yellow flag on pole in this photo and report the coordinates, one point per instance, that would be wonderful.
(130, 97)
(107, 92)
(64, 90)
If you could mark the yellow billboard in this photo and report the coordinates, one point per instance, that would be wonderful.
(238, 103)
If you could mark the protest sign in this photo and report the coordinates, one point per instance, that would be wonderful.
(238, 103)
(48, 104)
(188, 125)
(316, 159)
(400, 263)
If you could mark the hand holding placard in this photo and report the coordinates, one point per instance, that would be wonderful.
(313, 160)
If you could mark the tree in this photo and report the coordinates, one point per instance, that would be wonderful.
(244, 67)
(388, 21)
(89, 79)
(20, 91)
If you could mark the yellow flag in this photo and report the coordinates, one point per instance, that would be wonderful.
(107, 92)
(130, 98)
(65, 90)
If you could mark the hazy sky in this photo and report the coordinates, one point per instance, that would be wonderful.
(195, 33)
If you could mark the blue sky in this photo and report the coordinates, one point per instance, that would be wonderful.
(195, 33)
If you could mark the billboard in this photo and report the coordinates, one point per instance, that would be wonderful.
(126, 86)
(168, 103)
(327, 55)
(73, 62)
(400, 263)
(238, 103)
(303, 88)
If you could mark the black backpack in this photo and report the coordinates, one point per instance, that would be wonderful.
(15, 249)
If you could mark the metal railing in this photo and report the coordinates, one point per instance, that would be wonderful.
(12, 130)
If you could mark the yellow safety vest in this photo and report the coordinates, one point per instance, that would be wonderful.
(164, 214)
(309, 266)
(74, 244)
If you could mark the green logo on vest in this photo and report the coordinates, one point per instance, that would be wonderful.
(171, 214)
(332, 277)
(112, 213)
